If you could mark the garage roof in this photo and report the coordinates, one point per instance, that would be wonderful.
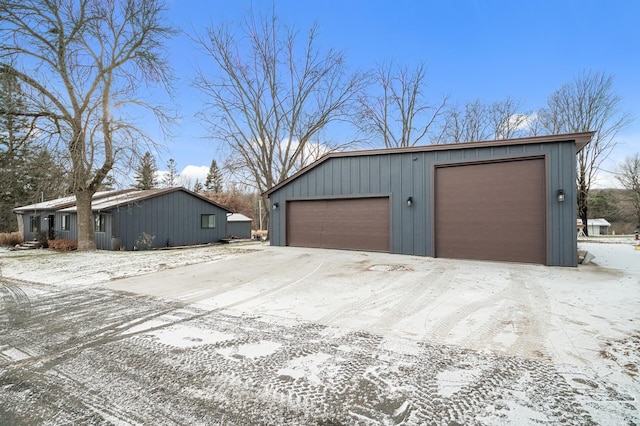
(580, 139)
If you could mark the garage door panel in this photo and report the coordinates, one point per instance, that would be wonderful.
(491, 211)
(358, 223)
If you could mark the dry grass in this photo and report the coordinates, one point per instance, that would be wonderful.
(10, 239)
(263, 233)
(63, 245)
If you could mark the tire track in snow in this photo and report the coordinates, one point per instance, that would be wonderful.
(439, 331)
(417, 297)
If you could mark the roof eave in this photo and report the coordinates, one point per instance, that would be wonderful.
(580, 139)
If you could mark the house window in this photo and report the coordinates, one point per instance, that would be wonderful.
(35, 223)
(100, 222)
(208, 221)
(65, 224)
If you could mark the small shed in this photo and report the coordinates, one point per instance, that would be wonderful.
(597, 227)
(239, 226)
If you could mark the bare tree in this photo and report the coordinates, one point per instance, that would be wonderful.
(629, 176)
(587, 103)
(82, 63)
(471, 124)
(270, 97)
(507, 119)
(398, 113)
(479, 122)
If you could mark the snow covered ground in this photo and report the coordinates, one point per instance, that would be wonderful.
(303, 336)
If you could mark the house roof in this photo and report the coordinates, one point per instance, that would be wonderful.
(580, 139)
(60, 203)
(598, 222)
(238, 217)
(105, 201)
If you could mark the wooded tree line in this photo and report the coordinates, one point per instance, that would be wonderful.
(73, 72)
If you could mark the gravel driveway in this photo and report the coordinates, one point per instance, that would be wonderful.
(302, 336)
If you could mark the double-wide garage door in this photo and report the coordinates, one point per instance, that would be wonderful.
(355, 223)
(491, 211)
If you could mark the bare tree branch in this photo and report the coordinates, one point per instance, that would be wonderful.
(629, 176)
(82, 62)
(397, 113)
(270, 97)
(587, 103)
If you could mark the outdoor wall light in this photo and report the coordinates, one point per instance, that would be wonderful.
(560, 195)
(409, 201)
(275, 206)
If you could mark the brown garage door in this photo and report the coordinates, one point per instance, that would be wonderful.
(491, 211)
(358, 223)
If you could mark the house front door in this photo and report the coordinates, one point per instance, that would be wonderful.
(51, 223)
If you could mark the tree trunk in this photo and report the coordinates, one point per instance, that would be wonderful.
(582, 204)
(86, 227)
(266, 202)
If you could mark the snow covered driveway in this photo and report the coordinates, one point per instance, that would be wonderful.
(266, 335)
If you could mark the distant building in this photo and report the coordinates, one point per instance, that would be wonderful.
(598, 227)
(239, 226)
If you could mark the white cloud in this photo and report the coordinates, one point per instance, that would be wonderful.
(190, 174)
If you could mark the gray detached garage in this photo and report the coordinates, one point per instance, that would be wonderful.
(507, 200)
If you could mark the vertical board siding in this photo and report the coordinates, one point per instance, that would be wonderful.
(239, 229)
(172, 218)
(410, 174)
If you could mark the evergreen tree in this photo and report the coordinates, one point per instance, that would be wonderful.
(198, 188)
(145, 175)
(28, 172)
(171, 177)
(108, 184)
(214, 178)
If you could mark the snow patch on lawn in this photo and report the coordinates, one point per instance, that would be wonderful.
(71, 269)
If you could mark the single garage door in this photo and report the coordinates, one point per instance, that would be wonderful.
(491, 211)
(355, 223)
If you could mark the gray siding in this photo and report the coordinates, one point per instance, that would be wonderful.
(239, 229)
(410, 174)
(103, 239)
(44, 223)
(173, 218)
(72, 233)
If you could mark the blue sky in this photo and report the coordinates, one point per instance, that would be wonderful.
(485, 50)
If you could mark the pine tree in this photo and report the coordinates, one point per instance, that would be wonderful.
(28, 172)
(214, 178)
(108, 184)
(170, 179)
(145, 175)
(197, 187)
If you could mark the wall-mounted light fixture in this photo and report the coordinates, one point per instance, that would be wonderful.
(275, 206)
(560, 195)
(410, 201)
